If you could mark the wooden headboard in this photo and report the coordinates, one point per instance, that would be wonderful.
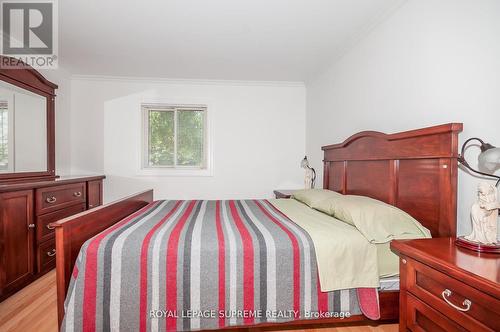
(414, 170)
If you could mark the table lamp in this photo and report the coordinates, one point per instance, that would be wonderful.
(484, 213)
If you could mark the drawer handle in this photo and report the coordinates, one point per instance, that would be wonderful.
(31, 226)
(467, 303)
(51, 253)
(49, 227)
(51, 200)
(77, 194)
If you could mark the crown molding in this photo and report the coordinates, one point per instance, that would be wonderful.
(156, 80)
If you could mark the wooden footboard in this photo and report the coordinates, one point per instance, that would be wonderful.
(72, 232)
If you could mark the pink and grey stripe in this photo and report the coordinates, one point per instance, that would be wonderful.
(191, 265)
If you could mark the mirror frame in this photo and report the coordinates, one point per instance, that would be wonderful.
(27, 78)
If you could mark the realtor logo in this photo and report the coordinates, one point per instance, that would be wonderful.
(29, 31)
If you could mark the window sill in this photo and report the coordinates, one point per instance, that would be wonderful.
(174, 172)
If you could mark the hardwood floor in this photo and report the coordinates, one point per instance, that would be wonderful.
(34, 308)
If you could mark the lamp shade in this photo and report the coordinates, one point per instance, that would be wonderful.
(490, 159)
(304, 163)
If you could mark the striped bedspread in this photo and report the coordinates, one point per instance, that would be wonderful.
(190, 265)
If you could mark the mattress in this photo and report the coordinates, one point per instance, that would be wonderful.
(389, 283)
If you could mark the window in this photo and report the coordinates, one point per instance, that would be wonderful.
(174, 136)
(5, 142)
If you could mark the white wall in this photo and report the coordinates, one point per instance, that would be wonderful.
(431, 62)
(258, 135)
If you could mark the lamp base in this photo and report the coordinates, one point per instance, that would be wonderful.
(476, 246)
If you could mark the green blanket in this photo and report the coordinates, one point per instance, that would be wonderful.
(346, 259)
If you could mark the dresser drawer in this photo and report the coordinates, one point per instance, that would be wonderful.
(460, 302)
(420, 317)
(54, 198)
(46, 256)
(43, 231)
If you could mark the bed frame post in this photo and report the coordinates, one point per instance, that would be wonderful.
(72, 232)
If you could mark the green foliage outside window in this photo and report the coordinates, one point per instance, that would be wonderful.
(161, 138)
(190, 138)
(172, 144)
(4, 139)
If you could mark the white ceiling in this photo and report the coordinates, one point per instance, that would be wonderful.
(278, 40)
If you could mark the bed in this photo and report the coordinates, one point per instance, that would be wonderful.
(415, 171)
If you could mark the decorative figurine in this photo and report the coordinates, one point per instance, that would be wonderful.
(484, 215)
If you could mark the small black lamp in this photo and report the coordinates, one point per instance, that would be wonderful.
(305, 164)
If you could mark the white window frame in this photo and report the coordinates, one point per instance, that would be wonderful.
(175, 170)
(10, 139)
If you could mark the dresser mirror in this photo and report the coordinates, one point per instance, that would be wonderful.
(23, 130)
(26, 125)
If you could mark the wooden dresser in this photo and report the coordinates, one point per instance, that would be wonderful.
(27, 244)
(446, 288)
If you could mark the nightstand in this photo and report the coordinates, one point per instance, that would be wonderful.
(284, 193)
(446, 288)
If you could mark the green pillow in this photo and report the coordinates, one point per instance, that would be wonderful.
(328, 205)
(312, 197)
(377, 221)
